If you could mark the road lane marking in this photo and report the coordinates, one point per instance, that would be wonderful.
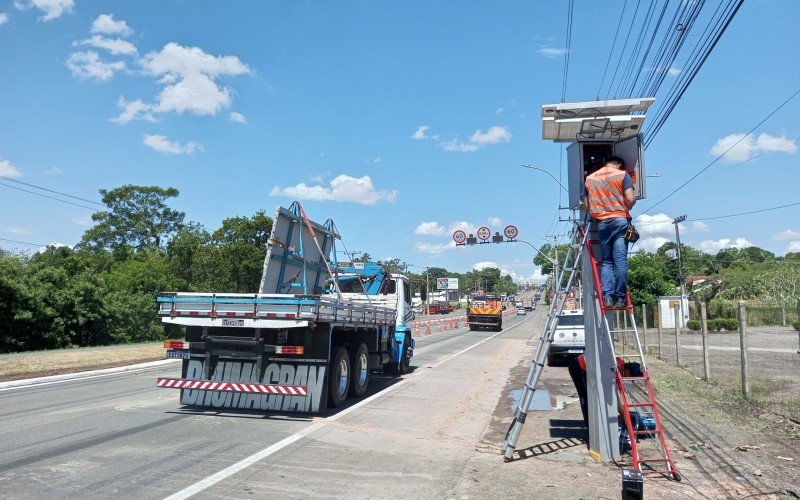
(266, 452)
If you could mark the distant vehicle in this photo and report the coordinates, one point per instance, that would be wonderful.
(569, 337)
(529, 306)
(440, 309)
(519, 304)
(521, 311)
(485, 311)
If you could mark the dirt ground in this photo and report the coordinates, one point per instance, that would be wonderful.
(43, 363)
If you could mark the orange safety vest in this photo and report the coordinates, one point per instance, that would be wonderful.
(606, 195)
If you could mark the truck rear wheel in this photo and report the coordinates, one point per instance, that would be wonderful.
(338, 378)
(359, 361)
(401, 368)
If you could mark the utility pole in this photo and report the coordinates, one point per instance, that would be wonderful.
(681, 278)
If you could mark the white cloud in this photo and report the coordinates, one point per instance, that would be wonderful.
(163, 145)
(699, 226)
(751, 146)
(116, 46)
(83, 220)
(535, 277)
(342, 188)
(53, 245)
(16, 230)
(495, 221)
(377, 160)
(52, 171)
(88, 65)
(52, 9)
(431, 228)
(189, 75)
(479, 139)
(713, 247)
(463, 225)
(793, 247)
(3, 18)
(672, 71)
(421, 134)
(237, 117)
(656, 225)
(480, 266)
(8, 169)
(789, 234)
(435, 248)
(106, 25)
(552, 52)
(499, 110)
(133, 110)
(650, 244)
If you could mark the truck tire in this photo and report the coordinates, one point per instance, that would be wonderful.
(359, 362)
(338, 378)
(500, 326)
(401, 368)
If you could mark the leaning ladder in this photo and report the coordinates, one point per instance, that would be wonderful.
(632, 388)
(572, 263)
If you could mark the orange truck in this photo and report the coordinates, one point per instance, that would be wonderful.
(485, 311)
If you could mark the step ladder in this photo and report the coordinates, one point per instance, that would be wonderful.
(562, 288)
(635, 391)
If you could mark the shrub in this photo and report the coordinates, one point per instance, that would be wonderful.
(727, 324)
(693, 325)
(721, 308)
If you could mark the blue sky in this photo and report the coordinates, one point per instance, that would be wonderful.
(401, 121)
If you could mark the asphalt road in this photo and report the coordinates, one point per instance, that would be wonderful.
(119, 436)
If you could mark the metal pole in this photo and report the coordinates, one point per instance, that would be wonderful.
(678, 336)
(644, 327)
(743, 348)
(658, 324)
(704, 330)
(798, 326)
(783, 314)
(681, 278)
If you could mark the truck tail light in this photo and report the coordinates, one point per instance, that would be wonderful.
(176, 344)
(289, 349)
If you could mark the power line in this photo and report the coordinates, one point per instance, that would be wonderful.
(51, 190)
(22, 242)
(567, 50)
(613, 44)
(624, 46)
(723, 154)
(49, 197)
(747, 213)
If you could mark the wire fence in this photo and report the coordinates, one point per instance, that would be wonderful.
(766, 372)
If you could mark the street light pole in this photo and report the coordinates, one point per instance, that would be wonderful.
(553, 262)
(548, 173)
(681, 278)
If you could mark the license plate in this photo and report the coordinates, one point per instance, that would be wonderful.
(178, 354)
(232, 322)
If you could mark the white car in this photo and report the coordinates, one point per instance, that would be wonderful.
(569, 336)
(521, 311)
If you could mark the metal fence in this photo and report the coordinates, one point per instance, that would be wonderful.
(766, 371)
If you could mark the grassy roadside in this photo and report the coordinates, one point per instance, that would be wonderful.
(42, 363)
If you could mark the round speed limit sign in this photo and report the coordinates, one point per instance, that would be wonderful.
(483, 233)
(511, 232)
(459, 237)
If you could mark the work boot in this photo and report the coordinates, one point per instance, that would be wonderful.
(608, 303)
(620, 304)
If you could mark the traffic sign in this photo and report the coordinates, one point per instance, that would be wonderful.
(483, 233)
(459, 237)
(511, 232)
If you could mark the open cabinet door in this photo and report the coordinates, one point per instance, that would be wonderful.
(631, 151)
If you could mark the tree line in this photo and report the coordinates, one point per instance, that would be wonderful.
(103, 290)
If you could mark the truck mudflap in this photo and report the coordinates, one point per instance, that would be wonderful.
(284, 386)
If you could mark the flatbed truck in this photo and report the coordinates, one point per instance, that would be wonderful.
(293, 352)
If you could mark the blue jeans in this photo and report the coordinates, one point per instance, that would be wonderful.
(614, 250)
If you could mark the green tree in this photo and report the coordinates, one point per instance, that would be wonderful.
(137, 218)
(647, 279)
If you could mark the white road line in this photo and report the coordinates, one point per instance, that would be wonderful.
(256, 457)
(69, 377)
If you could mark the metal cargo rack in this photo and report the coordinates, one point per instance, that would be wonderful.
(319, 308)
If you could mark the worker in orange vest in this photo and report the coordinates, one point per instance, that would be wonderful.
(608, 195)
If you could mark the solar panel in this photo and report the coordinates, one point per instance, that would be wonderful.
(600, 120)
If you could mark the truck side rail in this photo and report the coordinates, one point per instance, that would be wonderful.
(319, 308)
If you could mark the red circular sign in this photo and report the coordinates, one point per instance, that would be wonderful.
(484, 233)
(511, 232)
(459, 237)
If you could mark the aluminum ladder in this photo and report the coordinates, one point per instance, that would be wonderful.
(572, 263)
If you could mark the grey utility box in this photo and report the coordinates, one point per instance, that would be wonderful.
(598, 130)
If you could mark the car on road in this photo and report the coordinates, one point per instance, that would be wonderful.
(569, 337)
(521, 311)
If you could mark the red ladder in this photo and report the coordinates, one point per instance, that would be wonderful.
(646, 407)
